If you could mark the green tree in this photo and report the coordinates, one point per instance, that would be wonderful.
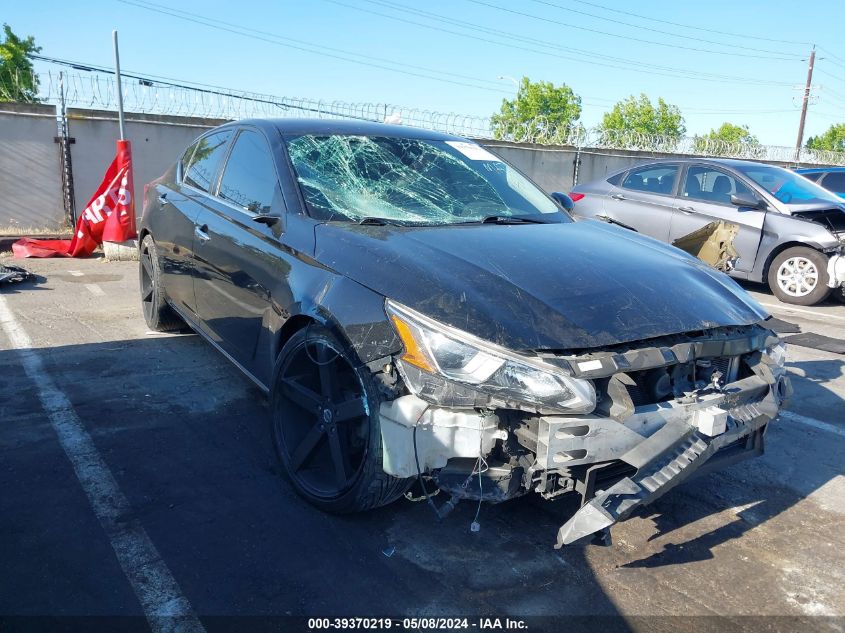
(833, 139)
(726, 139)
(639, 116)
(540, 110)
(18, 82)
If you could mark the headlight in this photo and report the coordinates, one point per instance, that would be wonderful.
(454, 368)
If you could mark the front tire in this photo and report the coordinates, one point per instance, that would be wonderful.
(325, 410)
(798, 276)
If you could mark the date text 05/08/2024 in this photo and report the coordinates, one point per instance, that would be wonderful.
(417, 624)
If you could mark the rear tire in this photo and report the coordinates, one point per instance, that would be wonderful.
(798, 276)
(325, 413)
(159, 316)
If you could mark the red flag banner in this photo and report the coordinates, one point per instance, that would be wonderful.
(109, 215)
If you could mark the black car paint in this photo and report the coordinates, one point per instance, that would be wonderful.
(539, 287)
(557, 286)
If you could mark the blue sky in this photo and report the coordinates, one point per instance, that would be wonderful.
(699, 63)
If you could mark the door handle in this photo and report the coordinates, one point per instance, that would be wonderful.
(200, 233)
(686, 210)
(618, 196)
(162, 199)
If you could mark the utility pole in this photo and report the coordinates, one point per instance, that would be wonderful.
(804, 104)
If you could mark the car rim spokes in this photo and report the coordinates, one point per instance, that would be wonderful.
(323, 419)
(147, 286)
(798, 276)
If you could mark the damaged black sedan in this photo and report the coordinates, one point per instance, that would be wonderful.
(417, 309)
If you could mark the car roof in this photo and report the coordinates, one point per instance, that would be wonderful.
(805, 170)
(725, 162)
(296, 127)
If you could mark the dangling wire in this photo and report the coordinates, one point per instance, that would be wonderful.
(481, 466)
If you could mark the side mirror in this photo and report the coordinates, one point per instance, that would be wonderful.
(747, 202)
(563, 200)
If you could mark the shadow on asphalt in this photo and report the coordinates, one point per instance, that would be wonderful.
(189, 443)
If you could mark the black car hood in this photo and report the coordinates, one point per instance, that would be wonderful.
(539, 286)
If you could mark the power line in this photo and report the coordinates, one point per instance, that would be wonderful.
(779, 54)
(831, 75)
(744, 36)
(308, 48)
(627, 65)
(214, 89)
(829, 54)
(617, 35)
(184, 84)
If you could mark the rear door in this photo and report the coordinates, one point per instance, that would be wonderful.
(645, 199)
(180, 207)
(239, 259)
(705, 197)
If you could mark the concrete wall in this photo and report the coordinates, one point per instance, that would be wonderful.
(157, 141)
(551, 167)
(30, 176)
(30, 167)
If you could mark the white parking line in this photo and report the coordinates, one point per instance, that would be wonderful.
(95, 290)
(164, 605)
(787, 308)
(816, 424)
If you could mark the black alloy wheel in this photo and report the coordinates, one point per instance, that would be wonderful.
(326, 427)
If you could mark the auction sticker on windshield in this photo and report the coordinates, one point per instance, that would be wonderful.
(472, 151)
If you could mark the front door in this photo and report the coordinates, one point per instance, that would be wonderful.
(705, 197)
(238, 256)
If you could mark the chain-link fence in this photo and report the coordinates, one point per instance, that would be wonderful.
(97, 90)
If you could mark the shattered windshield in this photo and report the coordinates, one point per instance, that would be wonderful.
(411, 181)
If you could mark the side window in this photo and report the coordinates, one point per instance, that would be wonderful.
(186, 158)
(207, 154)
(615, 179)
(652, 178)
(712, 185)
(835, 181)
(249, 178)
(813, 175)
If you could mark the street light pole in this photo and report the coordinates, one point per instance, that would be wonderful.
(119, 88)
(511, 79)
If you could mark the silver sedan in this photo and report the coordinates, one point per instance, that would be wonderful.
(791, 232)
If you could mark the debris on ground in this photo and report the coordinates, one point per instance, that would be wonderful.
(13, 274)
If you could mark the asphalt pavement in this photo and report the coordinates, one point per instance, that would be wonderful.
(138, 477)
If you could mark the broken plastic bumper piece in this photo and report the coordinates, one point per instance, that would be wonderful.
(836, 271)
(667, 458)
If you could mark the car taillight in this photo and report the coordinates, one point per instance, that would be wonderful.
(576, 196)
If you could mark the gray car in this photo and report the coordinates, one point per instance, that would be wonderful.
(791, 231)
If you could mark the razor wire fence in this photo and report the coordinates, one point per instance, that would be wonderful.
(162, 96)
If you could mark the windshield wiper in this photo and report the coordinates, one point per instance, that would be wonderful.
(377, 222)
(511, 219)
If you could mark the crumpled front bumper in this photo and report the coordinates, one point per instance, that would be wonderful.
(681, 447)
